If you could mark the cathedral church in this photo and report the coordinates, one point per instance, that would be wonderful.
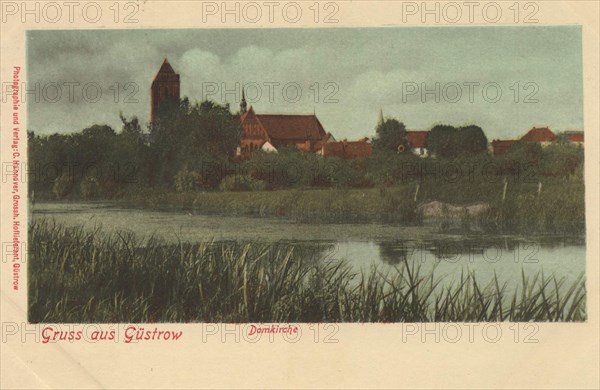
(267, 132)
(165, 86)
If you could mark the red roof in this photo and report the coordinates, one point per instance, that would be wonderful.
(333, 149)
(574, 136)
(539, 134)
(303, 131)
(417, 138)
(347, 149)
(502, 146)
(292, 127)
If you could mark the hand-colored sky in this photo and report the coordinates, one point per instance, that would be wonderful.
(358, 70)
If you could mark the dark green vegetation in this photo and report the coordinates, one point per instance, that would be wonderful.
(99, 163)
(78, 276)
(185, 160)
(559, 209)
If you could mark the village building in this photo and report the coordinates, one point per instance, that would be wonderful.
(574, 136)
(347, 149)
(417, 141)
(499, 147)
(542, 135)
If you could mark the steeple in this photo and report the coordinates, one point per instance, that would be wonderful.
(165, 86)
(380, 122)
(243, 104)
(166, 68)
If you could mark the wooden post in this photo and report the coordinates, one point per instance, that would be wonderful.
(504, 191)
(417, 191)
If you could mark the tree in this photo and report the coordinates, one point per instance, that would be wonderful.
(450, 142)
(523, 159)
(95, 144)
(440, 141)
(561, 159)
(62, 186)
(471, 140)
(131, 154)
(390, 135)
(189, 135)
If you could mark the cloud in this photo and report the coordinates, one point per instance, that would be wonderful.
(365, 67)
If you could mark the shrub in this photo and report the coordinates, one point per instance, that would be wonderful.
(90, 188)
(62, 186)
(242, 183)
(187, 180)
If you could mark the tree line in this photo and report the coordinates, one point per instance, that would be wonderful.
(190, 147)
(443, 140)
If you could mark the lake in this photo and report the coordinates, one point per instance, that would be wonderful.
(362, 246)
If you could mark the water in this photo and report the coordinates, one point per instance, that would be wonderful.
(362, 246)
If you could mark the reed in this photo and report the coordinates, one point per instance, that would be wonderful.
(90, 276)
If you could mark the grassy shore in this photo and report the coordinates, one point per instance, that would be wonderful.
(78, 276)
(559, 208)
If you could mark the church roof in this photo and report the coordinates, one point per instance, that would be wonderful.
(289, 127)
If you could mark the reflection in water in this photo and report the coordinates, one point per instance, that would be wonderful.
(504, 258)
(360, 246)
(394, 252)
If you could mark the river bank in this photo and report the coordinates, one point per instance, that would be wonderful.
(559, 209)
(554, 207)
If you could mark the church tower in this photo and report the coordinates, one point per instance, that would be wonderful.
(165, 86)
(243, 104)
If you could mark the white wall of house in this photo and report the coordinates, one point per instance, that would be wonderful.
(421, 152)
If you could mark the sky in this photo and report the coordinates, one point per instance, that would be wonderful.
(504, 79)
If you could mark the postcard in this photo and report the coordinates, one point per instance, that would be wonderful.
(333, 194)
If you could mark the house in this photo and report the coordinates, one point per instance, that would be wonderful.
(417, 140)
(347, 149)
(542, 135)
(575, 137)
(270, 132)
(500, 147)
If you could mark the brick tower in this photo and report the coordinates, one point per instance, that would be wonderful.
(165, 86)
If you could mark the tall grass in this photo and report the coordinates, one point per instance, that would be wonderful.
(558, 209)
(79, 276)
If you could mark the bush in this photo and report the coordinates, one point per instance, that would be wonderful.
(187, 180)
(62, 186)
(242, 183)
(90, 188)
